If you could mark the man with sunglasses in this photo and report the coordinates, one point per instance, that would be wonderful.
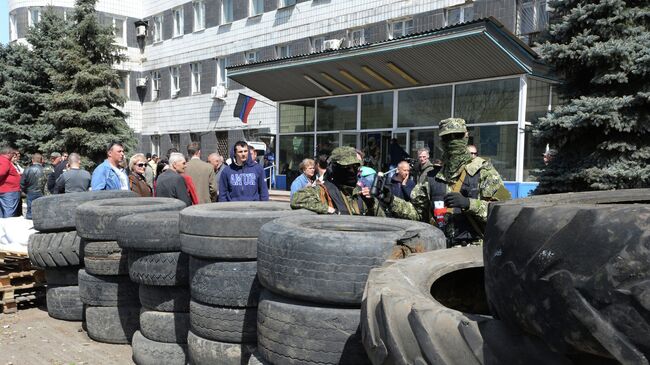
(339, 192)
(455, 196)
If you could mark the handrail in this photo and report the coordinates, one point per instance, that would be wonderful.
(271, 178)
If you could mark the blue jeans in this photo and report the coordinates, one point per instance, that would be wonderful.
(30, 198)
(9, 203)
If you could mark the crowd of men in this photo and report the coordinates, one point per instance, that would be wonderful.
(452, 193)
(191, 179)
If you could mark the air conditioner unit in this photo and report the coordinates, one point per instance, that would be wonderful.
(141, 82)
(332, 44)
(219, 92)
(175, 94)
(141, 31)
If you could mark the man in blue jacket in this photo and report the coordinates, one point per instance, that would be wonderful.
(242, 180)
(108, 175)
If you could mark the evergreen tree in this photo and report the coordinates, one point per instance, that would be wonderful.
(83, 104)
(601, 50)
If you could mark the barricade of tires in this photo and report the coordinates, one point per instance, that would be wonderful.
(314, 269)
(161, 270)
(59, 250)
(222, 241)
(582, 262)
(111, 298)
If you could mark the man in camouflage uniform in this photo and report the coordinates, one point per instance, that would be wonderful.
(339, 193)
(465, 185)
(48, 170)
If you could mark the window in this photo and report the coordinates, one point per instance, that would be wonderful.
(337, 113)
(119, 30)
(222, 77)
(199, 15)
(34, 16)
(423, 107)
(285, 3)
(460, 14)
(400, 28)
(377, 110)
(13, 29)
(155, 85)
(532, 18)
(317, 44)
(123, 86)
(356, 37)
(256, 7)
(226, 11)
(293, 149)
(175, 78)
(196, 77)
(283, 51)
(251, 56)
(297, 116)
(158, 28)
(487, 101)
(177, 15)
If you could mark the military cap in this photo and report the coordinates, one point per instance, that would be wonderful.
(55, 155)
(345, 156)
(451, 125)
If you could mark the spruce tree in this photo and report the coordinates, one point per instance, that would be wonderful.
(601, 51)
(83, 104)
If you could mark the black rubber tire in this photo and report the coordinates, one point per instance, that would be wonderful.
(112, 324)
(63, 302)
(227, 284)
(293, 332)
(60, 249)
(105, 258)
(64, 276)
(56, 213)
(581, 260)
(165, 298)
(207, 352)
(159, 268)
(148, 352)
(222, 248)
(156, 231)
(236, 325)
(97, 220)
(326, 259)
(403, 320)
(109, 291)
(236, 219)
(170, 327)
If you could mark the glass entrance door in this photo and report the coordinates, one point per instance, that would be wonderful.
(349, 139)
(375, 147)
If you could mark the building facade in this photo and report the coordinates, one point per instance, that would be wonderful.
(178, 88)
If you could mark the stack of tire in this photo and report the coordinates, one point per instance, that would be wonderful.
(161, 270)
(111, 298)
(315, 269)
(222, 241)
(60, 251)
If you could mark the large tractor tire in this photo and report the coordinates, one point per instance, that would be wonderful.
(574, 269)
(431, 309)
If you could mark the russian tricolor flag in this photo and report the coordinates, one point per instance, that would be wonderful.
(243, 107)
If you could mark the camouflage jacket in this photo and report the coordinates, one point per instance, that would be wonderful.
(490, 188)
(318, 198)
(47, 170)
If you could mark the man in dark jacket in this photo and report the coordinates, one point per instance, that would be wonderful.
(170, 184)
(32, 182)
(242, 180)
(402, 183)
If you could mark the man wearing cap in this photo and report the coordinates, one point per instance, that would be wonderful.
(455, 196)
(339, 193)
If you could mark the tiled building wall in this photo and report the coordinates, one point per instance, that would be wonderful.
(294, 25)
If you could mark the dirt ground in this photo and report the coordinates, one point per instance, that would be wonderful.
(31, 337)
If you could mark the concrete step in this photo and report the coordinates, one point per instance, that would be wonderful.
(279, 195)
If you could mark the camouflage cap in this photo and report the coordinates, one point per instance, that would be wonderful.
(345, 156)
(451, 125)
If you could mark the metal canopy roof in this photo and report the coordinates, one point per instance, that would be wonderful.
(469, 51)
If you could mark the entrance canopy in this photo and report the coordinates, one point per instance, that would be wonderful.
(470, 51)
